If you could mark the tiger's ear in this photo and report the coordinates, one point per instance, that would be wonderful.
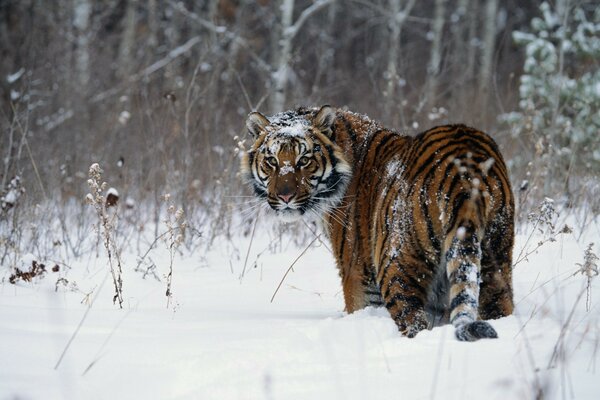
(256, 123)
(324, 119)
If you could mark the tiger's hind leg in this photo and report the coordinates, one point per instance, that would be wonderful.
(463, 267)
(496, 292)
(403, 283)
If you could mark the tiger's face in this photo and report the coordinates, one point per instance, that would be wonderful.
(293, 163)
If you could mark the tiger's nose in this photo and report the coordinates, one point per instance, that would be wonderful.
(286, 197)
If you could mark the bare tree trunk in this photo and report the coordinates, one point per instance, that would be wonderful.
(331, 19)
(127, 42)
(323, 75)
(460, 43)
(435, 58)
(282, 58)
(81, 21)
(489, 47)
(396, 21)
(153, 22)
(461, 48)
(472, 40)
(289, 30)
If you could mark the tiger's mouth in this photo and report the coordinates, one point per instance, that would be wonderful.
(289, 214)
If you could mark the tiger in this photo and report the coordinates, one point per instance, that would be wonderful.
(422, 225)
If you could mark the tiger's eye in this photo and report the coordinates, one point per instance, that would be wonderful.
(303, 161)
(272, 161)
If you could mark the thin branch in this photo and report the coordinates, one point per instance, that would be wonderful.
(221, 30)
(172, 55)
(83, 318)
(33, 163)
(292, 266)
(110, 335)
(317, 235)
(249, 246)
(293, 30)
(156, 239)
(163, 62)
(385, 12)
(560, 342)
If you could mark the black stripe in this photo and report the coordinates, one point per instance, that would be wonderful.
(462, 314)
(428, 137)
(461, 274)
(411, 303)
(462, 249)
(382, 143)
(428, 164)
(342, 239)
(470, 145)
(463, 298)
(457, 204)
(393, 281)
(349, 129)
(433, 238)
(392, 149)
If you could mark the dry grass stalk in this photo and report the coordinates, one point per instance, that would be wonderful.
(589, 268)
(292, 265)
(174, 237)
(107, 227)
(543, 220)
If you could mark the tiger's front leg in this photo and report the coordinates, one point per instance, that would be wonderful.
(353, 298)
(404, 290)
(360, 289)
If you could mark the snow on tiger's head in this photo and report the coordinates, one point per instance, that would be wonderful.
(293, 163)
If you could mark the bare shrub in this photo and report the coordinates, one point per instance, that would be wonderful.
(106, 227)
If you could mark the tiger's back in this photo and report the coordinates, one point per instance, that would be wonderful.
(424, 226)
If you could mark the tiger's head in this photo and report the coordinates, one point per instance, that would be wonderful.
(294, 164)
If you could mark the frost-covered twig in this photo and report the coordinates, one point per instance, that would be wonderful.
(589, 268)
(10, 195)
(175, 222)
(543, 220)
(97, 199)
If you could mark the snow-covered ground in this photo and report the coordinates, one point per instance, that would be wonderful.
(222, 338)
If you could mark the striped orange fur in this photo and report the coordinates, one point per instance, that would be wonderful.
(421, 225)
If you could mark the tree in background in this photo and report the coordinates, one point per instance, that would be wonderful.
(559, 91)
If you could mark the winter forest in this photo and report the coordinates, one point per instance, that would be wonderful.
(135, 263)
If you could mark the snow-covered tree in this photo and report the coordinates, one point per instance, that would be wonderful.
(559, 92)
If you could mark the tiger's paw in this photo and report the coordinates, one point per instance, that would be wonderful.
(475, 330)
(411, 326)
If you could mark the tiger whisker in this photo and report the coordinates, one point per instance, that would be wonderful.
(247, 203)
(320, 216)
(334, 216)
(250, 209)
(251, 214)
